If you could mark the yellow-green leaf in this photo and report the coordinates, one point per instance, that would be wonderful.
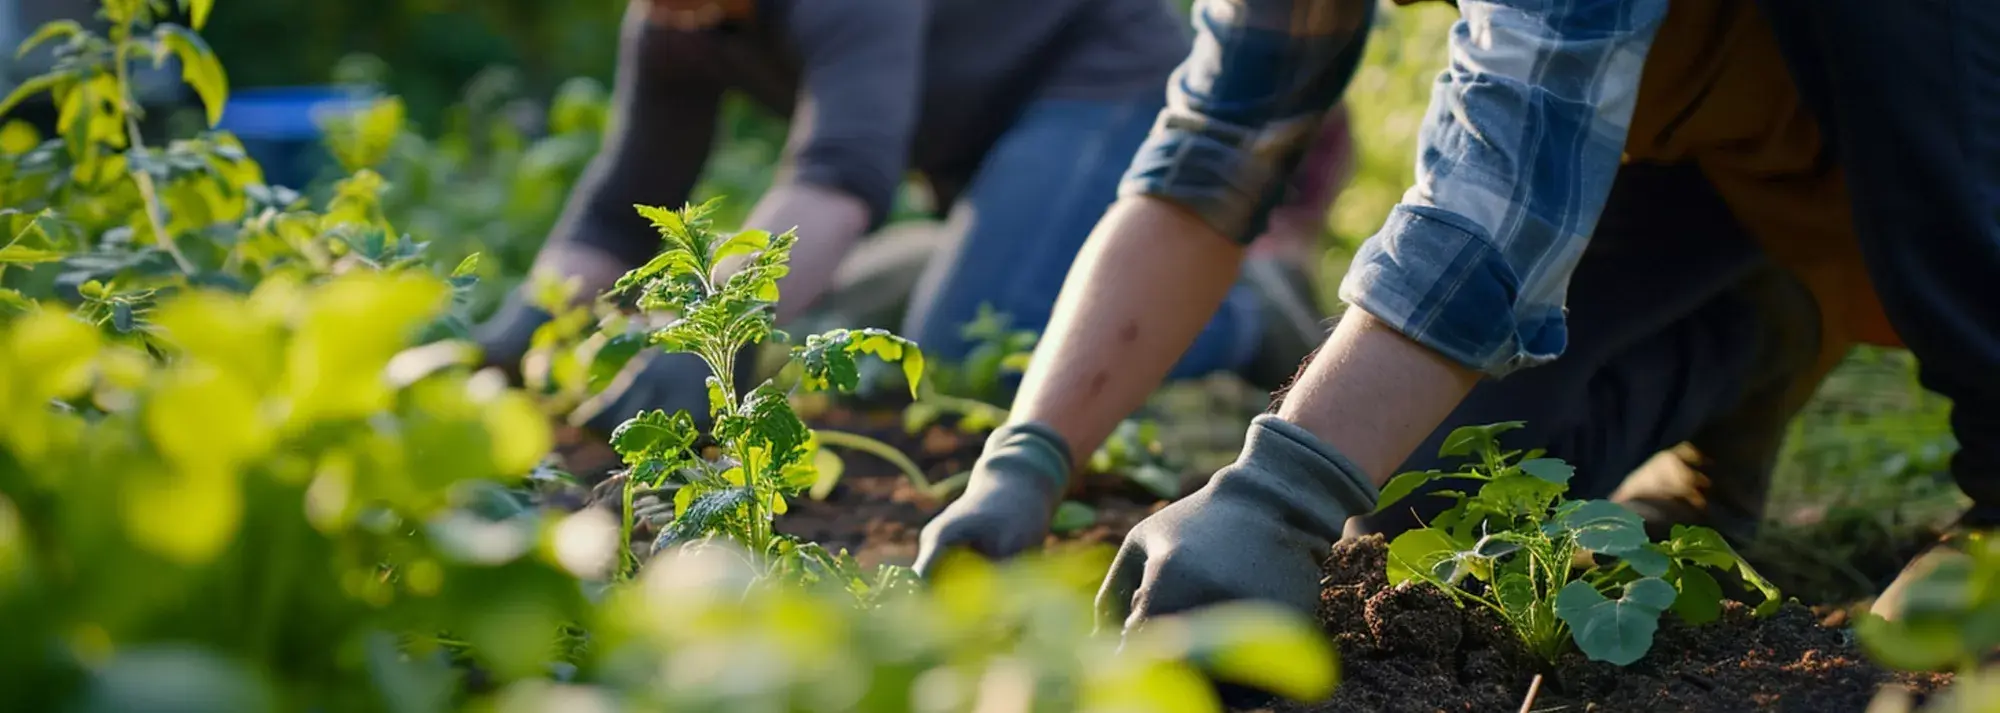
(199, 67)
(188, 519)
(56, 29)
(1266, 648)
(520, 433)
(34, 85)
(198, 11)
(17, 255)
(18, 137)
(913, 368)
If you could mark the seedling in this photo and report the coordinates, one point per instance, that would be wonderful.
(1555, 569)
(763, 453)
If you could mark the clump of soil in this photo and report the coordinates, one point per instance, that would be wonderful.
(1411, 649)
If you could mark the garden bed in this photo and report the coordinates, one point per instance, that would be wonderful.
(1411, 649)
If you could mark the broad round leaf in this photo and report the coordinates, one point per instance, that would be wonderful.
(1620, 630)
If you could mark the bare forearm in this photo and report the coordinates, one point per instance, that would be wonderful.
(1147, 281)
(1374, 394)
(829, 223)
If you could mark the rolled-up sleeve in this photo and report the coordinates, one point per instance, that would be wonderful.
(1246, 103)
(1525, 133)
(858, 105)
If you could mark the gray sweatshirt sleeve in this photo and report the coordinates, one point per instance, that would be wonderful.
(663, 118)
(859, 95)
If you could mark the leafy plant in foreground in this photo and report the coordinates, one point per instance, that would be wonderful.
(763, 453)
(1556, 569)
(1950, 617)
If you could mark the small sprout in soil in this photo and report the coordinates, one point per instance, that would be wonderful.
(1558, 570)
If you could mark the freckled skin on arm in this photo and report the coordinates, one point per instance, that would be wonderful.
(1138, 294)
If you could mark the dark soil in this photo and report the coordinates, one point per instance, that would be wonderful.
(876, 512)
(1411, 649)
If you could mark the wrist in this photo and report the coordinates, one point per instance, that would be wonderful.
(1031, 448)
(1303, 471)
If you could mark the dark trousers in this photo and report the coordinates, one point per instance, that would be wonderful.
(1664, 339)
(1909, 95)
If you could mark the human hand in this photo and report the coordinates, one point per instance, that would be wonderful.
(1008, 501)
(1258, 531)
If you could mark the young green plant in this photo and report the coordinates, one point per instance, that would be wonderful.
(1557, 570)
(763, 453)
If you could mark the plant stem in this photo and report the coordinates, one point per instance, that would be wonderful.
(881, 450)
(155, 214)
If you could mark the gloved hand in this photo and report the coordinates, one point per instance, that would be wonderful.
(1259, 530)
(505, 337)
(1008, 501)
(668, 382)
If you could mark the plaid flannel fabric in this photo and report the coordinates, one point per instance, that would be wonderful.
(1524, 135)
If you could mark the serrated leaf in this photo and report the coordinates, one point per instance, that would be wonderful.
(1620, 630)
(652, 435)
(1700, 597)
(1467, 440)
(705, 514)
(1607, 527)
(1549, 469)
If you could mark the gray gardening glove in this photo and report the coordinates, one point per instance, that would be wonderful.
(1259, 530)
(1005, 509)
(504, 338)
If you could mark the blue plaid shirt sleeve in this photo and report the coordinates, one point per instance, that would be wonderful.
(1516, 157)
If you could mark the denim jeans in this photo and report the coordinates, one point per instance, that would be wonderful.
(1033, 203)
(1908, 93)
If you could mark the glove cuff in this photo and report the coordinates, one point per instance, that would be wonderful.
(1033, 447)
(1316, 476)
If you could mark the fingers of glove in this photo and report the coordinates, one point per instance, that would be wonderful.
(994, 534)
(1121, 584)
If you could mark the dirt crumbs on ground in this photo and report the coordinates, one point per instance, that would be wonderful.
(1410, 649)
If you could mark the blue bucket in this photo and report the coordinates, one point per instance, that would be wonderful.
(279, 127)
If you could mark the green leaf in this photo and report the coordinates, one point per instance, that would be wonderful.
(1402, 485)
(34, 85)
(743, 243)
(409, 684)
(1620, 630)
(1163, 483)
(1516, 592)
(829, 359)
(12, 302)
(1467, 440)
(467, 266)
(612, 358)
(53, 30)
(1265, 647)
(1415, 555)
(653, 434)
(1549, 469)
(830, 468)
(1700, 598)
(1607, 527)
(1925, 645)
(1516, 495)
(17, 255)
(706, 514)
(1072, 516)
(1705, 546)
(198, 11)
(1647, 561)
(199, 67)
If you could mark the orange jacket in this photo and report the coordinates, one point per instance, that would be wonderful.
(1717, 93)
